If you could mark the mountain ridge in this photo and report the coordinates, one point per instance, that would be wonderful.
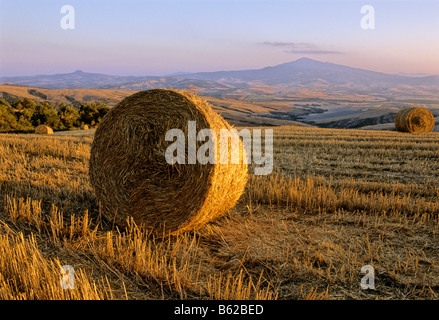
(301, 72)
(305, 70)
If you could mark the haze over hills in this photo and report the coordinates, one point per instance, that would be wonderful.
(308, 71)
(77, 79)
(302, 72)
(306, 90)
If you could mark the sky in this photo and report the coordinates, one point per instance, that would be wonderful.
(146, 37)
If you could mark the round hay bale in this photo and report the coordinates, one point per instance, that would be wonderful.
(414, 120)
(84, 127)
(42, 129)
(131, 177)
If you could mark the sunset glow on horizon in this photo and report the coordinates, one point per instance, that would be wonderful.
(162, 37)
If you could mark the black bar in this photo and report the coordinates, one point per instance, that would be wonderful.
(218, 309)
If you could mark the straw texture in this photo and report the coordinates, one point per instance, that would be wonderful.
(131, 177)
(42, 129)
(414, 120)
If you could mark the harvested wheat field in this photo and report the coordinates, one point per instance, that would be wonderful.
(336, 201)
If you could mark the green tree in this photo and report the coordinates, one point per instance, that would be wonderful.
(24, 123)
(92, 113)
(17, 105)
(68, 116)
(103, 110)
(25, 117)
(46, 114)
(87, 112)
(3, 102)
(8, 122)
(28, 104)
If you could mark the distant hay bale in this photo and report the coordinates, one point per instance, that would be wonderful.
(84, 127)
(414, 120)
(131, 177)
(42, 129)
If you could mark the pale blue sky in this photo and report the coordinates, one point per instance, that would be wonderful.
(135, 37)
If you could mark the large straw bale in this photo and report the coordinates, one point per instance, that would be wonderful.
(414, 120)
(42, 129)
(131, 177)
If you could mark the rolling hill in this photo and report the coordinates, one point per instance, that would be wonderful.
(307, 72)
(236, 112)
(303, 72)
(304, 91)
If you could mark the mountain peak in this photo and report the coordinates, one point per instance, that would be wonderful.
(306, 59)
(302, 62)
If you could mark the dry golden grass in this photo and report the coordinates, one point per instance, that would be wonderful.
(336, 201)
(111, 96)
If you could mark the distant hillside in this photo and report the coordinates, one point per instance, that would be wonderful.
(84, 80)
(107, 96)
(303, 73)
(304, 91)
(239, 113)
(77, 79)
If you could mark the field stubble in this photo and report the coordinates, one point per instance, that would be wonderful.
(336, 201)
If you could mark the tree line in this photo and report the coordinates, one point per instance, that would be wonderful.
(25, 115)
